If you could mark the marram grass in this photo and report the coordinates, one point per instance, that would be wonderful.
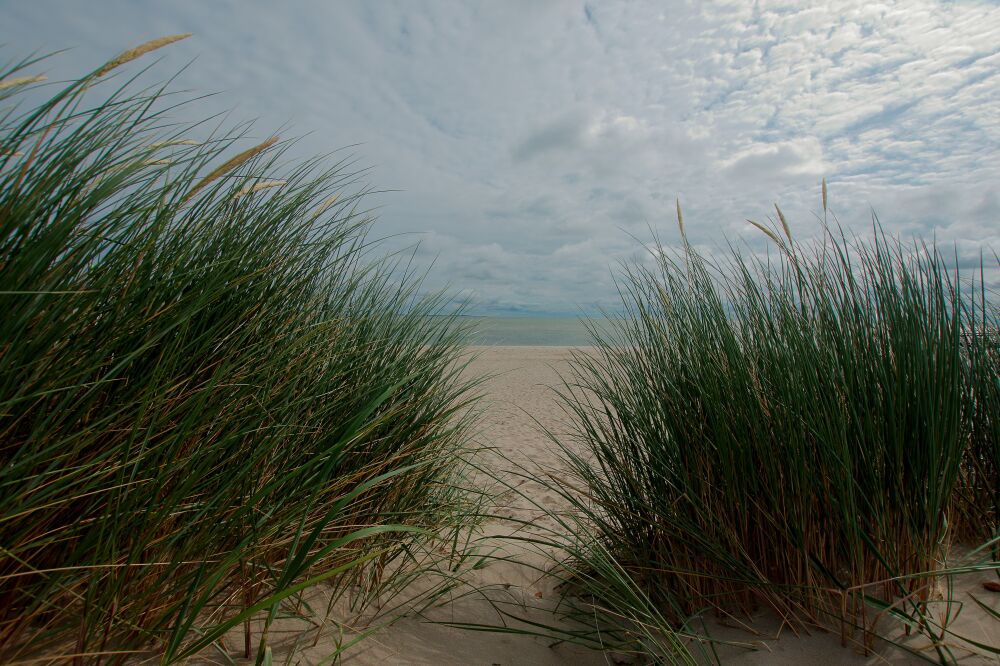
(211, 395)
(814, 432)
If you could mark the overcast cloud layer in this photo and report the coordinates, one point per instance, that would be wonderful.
(532, 143)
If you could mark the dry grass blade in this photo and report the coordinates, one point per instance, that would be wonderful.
(680, 218)
(767, 231)
(784, 223)
(138, 52)
(21, 81)
(229, 165)
(174, 142)
(257, 187)
(320, 209)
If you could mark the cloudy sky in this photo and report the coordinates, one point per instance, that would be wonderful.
(532, 146)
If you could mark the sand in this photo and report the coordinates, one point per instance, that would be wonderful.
(516, 397)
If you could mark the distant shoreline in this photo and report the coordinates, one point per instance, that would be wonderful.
(532, 331)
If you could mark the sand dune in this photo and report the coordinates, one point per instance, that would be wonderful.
(516, 395)
(518, 399)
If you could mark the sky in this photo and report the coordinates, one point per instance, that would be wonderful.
(525, 149)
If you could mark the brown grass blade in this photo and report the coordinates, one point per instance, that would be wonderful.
(320, 209)
(21, 81)
(138, 52)
(257, 187)
(231, 164)
(784, 223)
(767, 231)
(175, 142)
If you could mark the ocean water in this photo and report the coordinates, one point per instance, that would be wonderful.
(532, 331)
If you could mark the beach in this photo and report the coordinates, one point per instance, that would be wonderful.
(518, 402)
(517, 394)
(541, 395)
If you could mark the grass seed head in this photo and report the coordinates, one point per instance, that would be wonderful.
(320, 209)
(784, 223)
(767, 231)
(138, 52)
(231, 164)
(257, 187)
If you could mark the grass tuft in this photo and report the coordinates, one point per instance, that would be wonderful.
(814, 433)
(208, 404)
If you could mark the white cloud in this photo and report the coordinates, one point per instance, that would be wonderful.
(528, 140)
(761, 161)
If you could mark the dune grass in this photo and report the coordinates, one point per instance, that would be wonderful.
(810, 431)
(213, 393)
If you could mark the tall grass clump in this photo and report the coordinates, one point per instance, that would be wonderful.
(977, 502)
(805, 431)
(212, 395)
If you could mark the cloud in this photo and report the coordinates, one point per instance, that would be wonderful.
(528, 145)
(774, 160)
(565, 134)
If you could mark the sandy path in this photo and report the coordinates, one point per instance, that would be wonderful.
(518, 387)
(518, 395)
(515, 397)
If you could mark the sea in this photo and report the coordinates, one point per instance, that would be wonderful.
(533, 331)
